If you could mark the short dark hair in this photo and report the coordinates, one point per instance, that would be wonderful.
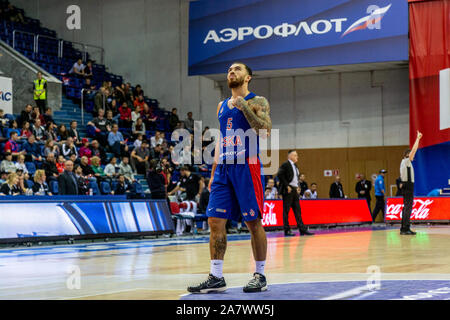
(290, 151)
(406, 152)
(314, 184)
(249, 70)
(184, 168)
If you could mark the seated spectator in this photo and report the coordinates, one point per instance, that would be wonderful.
(85, 150)
(125, 116)
(100, 126)
(25, 115)
(88, 70)
(68, 148)
(82, 181)
(116, 142)
(3, 177)
(311, 193)
(273, 194)
(140, 158)
(13, 128)
(138, 91)
(48, 116)
(67, 182)
(156, 139)
(99, 101)
(122, 186)
(126, 170)
(4, 120)
(189, 123)
(86, 168)
(173, 119)
(39, 131)
(62, 132)
(51, 131)
(21, 184)
(3, 138)
(74, 158)
(77, 68)
(51, 147)
(12, 146)
(50, 168)
(26, 131)
(136, 114)
(139, 101)
(98, 150)
(7, 164)
(40, 187)
(36, 114)
(10, 188)
(138, 128)
(120, 94)
(20, 164)
(61, 164)
(110, 119)
(73, 132)
(137, 143)
(32, 149)
(89, 89)
(204, 197)
(112, 169)
(98, 170)
(148, 117)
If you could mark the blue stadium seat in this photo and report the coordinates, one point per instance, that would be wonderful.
(94, 186)
(105, 187)
(53, 186)
(30, 184)
(31, 167)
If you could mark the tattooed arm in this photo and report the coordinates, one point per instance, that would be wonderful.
(256, 111)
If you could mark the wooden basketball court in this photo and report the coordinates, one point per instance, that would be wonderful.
(163, 268)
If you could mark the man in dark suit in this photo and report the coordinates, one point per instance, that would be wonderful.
(336, 189)
(67, 181)
(363, 188)
(288, 175)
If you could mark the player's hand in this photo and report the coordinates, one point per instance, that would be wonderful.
(289, 189)
(239, 102)
(419, 135)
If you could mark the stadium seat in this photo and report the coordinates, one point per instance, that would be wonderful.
(105, 187)
(31, 167)
(53, 186)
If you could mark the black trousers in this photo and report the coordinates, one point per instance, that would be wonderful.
(41, 104)
(408, 200)
(379, 205)
(291, 200)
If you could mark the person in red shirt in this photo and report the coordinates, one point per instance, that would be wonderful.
(125, 116)
(60, 164)
(85, 150)
(12, 146)
(139, 101)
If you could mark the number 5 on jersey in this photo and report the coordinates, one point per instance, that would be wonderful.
(229, 123)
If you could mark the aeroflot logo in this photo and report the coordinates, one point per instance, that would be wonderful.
(5, 96)
(323, 26)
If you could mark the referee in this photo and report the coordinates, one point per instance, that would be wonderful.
(407, 178)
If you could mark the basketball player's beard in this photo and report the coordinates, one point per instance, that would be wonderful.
(235, 83)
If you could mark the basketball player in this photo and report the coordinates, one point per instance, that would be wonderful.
(236, 186)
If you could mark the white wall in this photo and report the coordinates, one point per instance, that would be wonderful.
(146, 41)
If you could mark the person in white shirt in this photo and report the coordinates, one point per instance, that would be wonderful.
(20, 164)
(407, 178)
(78, 68)
(311, 193)
(156, 139)
(110, 168)
(273, 192)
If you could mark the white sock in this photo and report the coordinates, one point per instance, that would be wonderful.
(260, 266)
(217, 268)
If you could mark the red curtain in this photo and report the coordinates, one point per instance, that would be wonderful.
(429, 54)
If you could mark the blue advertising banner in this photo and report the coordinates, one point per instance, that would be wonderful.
(284, 34)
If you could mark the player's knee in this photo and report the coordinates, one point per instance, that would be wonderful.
(254, 226)
(216, 224)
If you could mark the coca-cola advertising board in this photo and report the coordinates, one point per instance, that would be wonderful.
(317, 212)
(424, 209)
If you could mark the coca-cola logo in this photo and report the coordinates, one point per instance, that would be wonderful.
(269, 217)
(421, 210)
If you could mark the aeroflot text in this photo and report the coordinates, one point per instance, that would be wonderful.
(283, 30)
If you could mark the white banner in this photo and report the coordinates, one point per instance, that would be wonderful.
(6, 95)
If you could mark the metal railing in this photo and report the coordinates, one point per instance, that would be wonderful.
(15, 31)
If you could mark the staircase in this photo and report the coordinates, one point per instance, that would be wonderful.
(71, 111)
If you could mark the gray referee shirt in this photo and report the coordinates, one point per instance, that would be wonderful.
(406, 170)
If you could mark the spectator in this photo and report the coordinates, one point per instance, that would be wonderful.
(116, 142)
(10, 188)
(100, 126)
(48, 117)
(336, 189)
(13, 14)
(190, 184)
(40, 92)
(67, 182)
(88, 70)
(62, 132)
(3, 177)
(85, 150)
(138, 128)
(26, 131)
(82, 181)
(126, 170)
(7, 164)
(36, 114)
(50, 168)
(61, 164)
(89, 90)
(204, 197)
(98, 151)
(3, 139)
(98, 170)
(68, 148)
(140, 158)
(311, 193)
(99, 101)
(156, 180)
(156, 139)
(173, 119)
(138, 91)
(51, 131)
(20, 164)
(40, 187)
(4, 120)
(21, 183)
(12, 146)
(25, 115)
(120, 94)
(136, 114)
(74, 158)
(73, 132)
(32, 149)
(112, 169)
(39, 131)
(125, 116)
(303, 185)
(77, 68)
(139, 101)
(122, 186)
(13, 128)
(86, 168)
(139, 138)
(189, 123)
(273, 193)
(51, 147)
(148, 117)
(110, 119)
